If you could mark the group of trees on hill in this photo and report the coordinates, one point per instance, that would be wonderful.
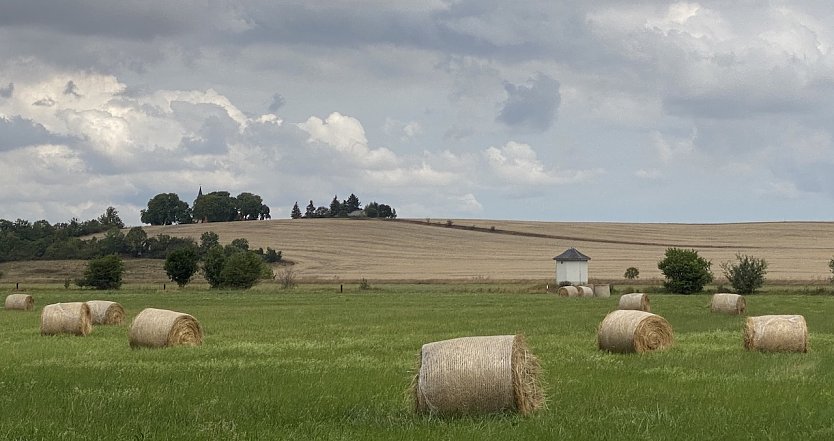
(217, 206)
(348, 207)
(40, 240)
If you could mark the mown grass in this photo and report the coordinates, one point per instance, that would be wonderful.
(316, 364)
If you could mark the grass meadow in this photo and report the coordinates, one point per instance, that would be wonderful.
(313, 363)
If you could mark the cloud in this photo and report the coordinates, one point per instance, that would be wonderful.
(16, 132)
(278, 101)
(6, 92)
(532, 105)
(517, 164)
(71, 89)
(347, 136)
(44, 102)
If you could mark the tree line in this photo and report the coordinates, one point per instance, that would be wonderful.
(350, 207)
(40, 240)
(217, 206)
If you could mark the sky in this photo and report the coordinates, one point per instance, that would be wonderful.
(651, 111)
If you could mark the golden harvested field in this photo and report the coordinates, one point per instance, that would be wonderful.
(331, 250)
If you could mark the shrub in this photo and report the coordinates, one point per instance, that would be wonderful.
(181, 265)
(364, 284)
(632, 273)
(747, 275)
(242, 270)
(831, 267)
(685, 271)
(213, 261)
(287, 278)
(272, 256)
(104, 273)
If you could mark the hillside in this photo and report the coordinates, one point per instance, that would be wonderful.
(347, 249)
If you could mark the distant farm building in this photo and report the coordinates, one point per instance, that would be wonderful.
(572, 267)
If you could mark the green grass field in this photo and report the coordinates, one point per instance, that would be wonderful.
(315, 364)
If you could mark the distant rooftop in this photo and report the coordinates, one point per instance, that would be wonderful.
(572, 255)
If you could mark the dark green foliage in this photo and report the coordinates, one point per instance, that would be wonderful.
(382, 211)
(351, 204)
(208, 240)
(240, 244)
(296, 212)
(217, 206)
(631, 273)
(272, 256)
(311, 210)
(747, 275)
(251, 207)
(241, 270)
(181, 265)
(213, 261)
(335, 207)
(135, 242)
(104, 273)
(110, 218)
(685, 271)
(166, 209)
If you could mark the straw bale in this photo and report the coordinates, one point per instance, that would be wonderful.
(66, 318)
(776, 333)
(626, 331)
(568, 291)
(23, 302)
(476, 375)
(637, 301)
(106, 313)
(728, 303)
(157, 328)
(585, 291)
(602, 290)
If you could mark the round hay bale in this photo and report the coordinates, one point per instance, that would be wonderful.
(106, 313)
(603, 291)
(776, 333)
(626, 331)
(22, 302)
(568, 291)
(728, 303)
(637, 301)
(476, 375)
(585, 291)
(66, 318)
(158, 328)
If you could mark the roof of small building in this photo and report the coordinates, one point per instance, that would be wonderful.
(572, 255)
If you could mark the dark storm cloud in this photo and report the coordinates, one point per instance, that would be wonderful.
(6, 92)
(124, 19)
(16, 132)
(532, 105)
(278, 101)
(71, 89)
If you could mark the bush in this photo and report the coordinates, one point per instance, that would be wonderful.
(831, 267)
(632, 273)
(104, 273)
(181, 265)
(747, 275)
(242, 270)
(272, 256)
(213, 261)
(287, 278)
(685, 271)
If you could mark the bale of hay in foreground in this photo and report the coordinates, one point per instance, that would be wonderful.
(602, 290)
(626, 331)
(23, 302)
(728, 303)
(106, 313)
(476, 375)
(568, 291)
(157, 328)
(636, 301)
(585, 291)
(776, 333)
(66, 318)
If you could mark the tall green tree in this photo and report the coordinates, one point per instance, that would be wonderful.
(136, 242)
(296, 212)
(208, 240)
(217, 206)
(110, 218)
(181, 265)
(249, 206)
(310, 212)
(747, 274)
(685, 271)
(335, 206)
(352, 204)
(166, 209)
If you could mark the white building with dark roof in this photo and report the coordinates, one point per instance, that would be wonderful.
(572, 266)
